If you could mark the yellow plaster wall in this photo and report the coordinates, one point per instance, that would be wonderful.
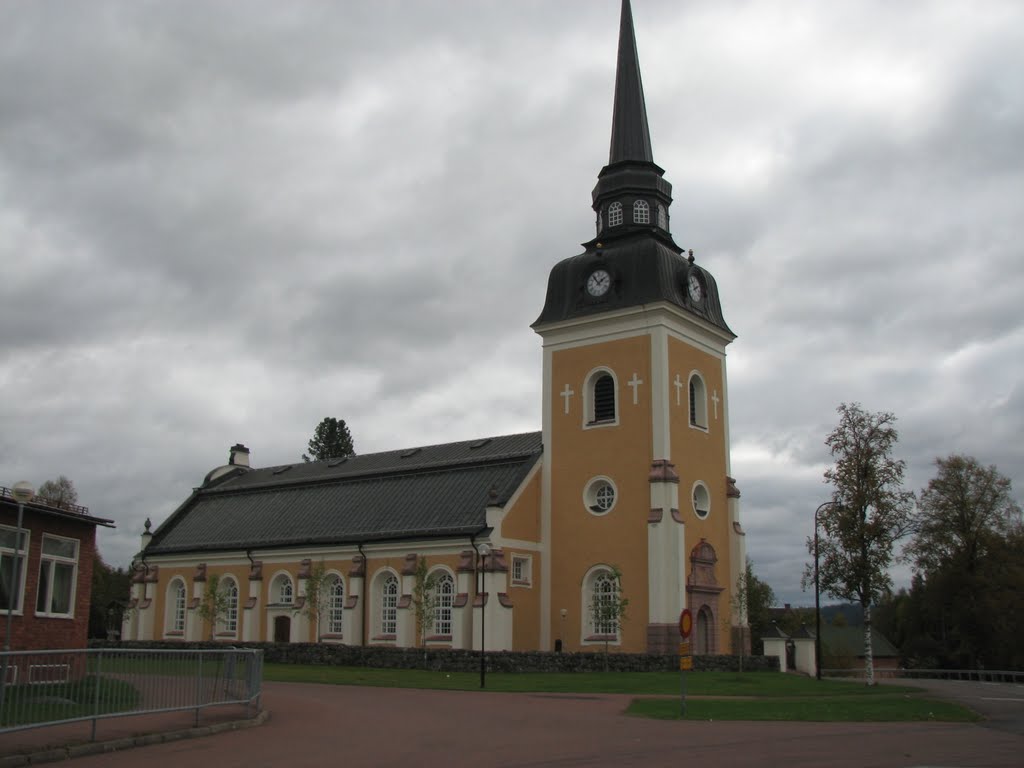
(700, 455)
(580, 539)
(525, 604)
(522, 520)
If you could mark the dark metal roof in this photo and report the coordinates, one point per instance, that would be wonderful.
(67, 511)
(631, 137)
(438, 490)
(644, 270)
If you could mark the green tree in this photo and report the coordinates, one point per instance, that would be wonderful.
(424, 600)
(331, 440)
(752, 601)
(214, 605)
(869, 514)
(965, 518)
(608, 607)
(316, 594)
(60, 491)
(109, 595)
(963, 511)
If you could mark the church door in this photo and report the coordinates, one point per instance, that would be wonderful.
(282, 629)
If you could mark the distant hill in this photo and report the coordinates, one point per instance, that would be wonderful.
(853, 613)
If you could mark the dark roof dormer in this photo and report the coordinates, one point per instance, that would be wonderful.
(632, 260)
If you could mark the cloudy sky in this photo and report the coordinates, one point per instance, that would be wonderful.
(223, 221)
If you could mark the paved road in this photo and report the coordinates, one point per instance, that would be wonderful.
(318, 725)
(1002, 704)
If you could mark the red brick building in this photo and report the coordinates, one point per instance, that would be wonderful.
(51, 602)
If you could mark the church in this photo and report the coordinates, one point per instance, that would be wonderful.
(528, 541)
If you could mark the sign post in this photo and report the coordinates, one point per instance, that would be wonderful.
(685, 659)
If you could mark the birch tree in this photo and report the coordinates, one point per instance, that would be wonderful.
(869, 513)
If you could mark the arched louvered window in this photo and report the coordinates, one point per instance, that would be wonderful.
(604, 398)
(614, 214)
(641, 212)
(698, 402)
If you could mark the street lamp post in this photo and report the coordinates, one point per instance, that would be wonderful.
(23, 493)
(817, 596)
(484, 552)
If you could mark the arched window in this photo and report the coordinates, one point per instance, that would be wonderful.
(229, 588)
(600, 394)
(614, 214)
(602, 605)
(176, 598)
(641, 212)
(600, 222)
(282, 590)
(662, 217)
(444, 593)
(389, 605)
(335, 604)
(698, 402)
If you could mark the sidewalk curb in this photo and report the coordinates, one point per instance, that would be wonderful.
(118, 745)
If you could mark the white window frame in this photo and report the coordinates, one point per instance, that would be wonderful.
(521, 572)
(592, 634)
(21, 558)
(597, 494)
(700, 489)
(387, 605)
(282, 589)
(641, 212)
(444, 594)
(335, 604)
(229, 623)
(589, 398)
(51, 561)
(697, 402)
(615, 214)
(177, 602)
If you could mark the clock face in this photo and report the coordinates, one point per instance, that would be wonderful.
(694, 288)
(599, 282)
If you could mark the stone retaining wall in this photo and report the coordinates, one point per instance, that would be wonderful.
(465, 661)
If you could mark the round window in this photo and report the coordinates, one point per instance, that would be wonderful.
(701, 500)
(599, 496)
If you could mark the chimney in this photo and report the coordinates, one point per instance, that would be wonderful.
(239, 455)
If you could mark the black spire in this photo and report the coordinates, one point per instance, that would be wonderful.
(633, 254)
(631, 138)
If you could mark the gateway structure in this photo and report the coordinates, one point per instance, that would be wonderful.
(626, 491)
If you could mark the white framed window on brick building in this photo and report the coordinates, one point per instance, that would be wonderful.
(58, 569)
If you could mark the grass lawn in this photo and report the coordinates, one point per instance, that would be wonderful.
(746, 696)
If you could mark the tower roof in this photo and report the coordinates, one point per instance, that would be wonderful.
(633, 253)
(631, 137)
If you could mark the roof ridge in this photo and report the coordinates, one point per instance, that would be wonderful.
(399, 451)
(423, 469)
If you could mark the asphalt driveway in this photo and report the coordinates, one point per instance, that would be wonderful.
(317, 725)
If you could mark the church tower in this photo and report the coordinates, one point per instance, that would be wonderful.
(636, 473)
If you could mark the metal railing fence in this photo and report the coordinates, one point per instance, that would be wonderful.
(41, 688)
(977, 675)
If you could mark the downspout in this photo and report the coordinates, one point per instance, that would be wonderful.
(366, 602)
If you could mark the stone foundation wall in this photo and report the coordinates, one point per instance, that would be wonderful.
(465, 661)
